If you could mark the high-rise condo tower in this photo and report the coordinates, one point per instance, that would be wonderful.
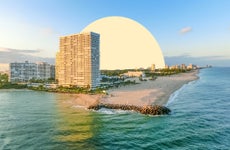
(78, 60)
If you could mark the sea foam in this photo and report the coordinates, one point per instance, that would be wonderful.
(174, 95)
(111, 111)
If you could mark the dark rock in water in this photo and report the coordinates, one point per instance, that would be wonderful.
(155, 110)
(148, 110)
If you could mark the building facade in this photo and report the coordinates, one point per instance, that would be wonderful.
(166, 66)
(153, 67)
(24, 72)
(191, 66)
(43, 70)
(78, 60)
(183, 67)
(134, 74)
(52, 71)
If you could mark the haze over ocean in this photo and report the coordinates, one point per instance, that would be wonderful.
(200, 120)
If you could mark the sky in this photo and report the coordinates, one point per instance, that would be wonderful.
(191, 31)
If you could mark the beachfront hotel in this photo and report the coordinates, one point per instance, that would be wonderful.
(77, 62)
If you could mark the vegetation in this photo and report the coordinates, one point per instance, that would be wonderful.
(50, 80)
(5, 84)
(82, 90)
(111, 73)
(13, 86)
(164, 72)
(148, 73)
(112, 79)
(3, 79)
(71, 89)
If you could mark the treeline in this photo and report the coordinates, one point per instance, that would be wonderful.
(49, 80)
(5, 84)
(13, 86)
(164, 72)
(115, 72)
(70, 89)
(148, 72)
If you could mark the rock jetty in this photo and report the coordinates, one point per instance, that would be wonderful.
(147, 110)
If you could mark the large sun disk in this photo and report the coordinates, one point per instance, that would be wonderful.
(126, 44)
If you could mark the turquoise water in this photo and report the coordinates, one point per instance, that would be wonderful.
(200, 119)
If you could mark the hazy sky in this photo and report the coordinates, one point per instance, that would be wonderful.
(190, 31)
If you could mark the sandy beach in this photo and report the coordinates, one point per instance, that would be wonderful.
(149, 92)
(144, 93)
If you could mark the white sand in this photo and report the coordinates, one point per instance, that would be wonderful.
(145, 93)
(149, 92)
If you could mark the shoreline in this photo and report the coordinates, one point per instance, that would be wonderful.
(145, 93)
(155, 92)
(165, 98)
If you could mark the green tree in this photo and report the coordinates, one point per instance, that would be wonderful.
(3, 79)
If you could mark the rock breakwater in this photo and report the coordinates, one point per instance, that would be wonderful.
(147, 110)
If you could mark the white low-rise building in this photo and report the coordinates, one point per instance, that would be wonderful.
(25, 71)
(134, 74)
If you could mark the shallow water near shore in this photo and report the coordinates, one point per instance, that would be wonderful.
(199, 120)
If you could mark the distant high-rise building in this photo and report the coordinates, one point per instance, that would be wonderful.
(192, 66)
(166, 67)
(183, 66)
(153, 67)
(175, 67)
(77, 62)
(23, 72)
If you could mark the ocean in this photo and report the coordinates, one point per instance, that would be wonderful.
(200, 119)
